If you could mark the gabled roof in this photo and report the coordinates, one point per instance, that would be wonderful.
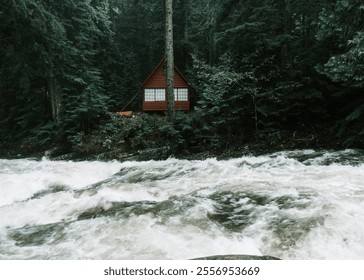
(161, 63)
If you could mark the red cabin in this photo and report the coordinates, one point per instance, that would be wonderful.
(154, 90)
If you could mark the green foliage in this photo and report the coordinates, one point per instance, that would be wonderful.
(351, 128)
(349, 66)
(53, 43)
(222, 95)
(236, 100)
(258, 66)
(344, 21)
(142, 131)
(44, 134)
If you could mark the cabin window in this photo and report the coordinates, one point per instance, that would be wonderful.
(160, 95)
(155, 94)
(181, 94)
(149, 94)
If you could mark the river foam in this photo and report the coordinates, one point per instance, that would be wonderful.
(291, 205)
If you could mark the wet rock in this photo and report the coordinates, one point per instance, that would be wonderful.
(237, 257)
(141, 155)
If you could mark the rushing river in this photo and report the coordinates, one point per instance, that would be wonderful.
(291, 205)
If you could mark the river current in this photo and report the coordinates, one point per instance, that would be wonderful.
(292, 205)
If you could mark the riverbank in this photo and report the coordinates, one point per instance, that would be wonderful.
(94, 148)
(146, 137)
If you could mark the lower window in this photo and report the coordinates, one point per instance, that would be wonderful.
(154, 94)
(181, 94)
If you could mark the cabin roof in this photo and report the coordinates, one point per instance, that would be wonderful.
(159, 65)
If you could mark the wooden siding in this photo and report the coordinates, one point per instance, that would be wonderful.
(162, 105)
(157, 80)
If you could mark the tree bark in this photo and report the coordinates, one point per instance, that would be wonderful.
(169, 58)
(185, 26)
(53, 98)
(286, 59)
(255, 114)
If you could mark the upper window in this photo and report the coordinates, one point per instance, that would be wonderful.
(154, 94)
(181, 94)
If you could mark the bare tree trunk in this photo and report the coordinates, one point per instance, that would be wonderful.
(212, 50)
(53, 97)
(185, 57)
(169, 58)
(185, 27)
(286, 58)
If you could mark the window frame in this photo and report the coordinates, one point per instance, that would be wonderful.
(154, 94)
(149, 95)
(181, 94)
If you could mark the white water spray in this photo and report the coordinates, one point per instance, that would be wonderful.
(291, 205)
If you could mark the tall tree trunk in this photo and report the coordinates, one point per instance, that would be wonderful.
(286, 59)
(169, 58)
(185, 56)
(185, 26)
(53, 99)
(255, 117)
(212, 51)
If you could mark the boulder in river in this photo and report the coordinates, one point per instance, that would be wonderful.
(237, 257)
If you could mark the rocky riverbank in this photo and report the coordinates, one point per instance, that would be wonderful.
(145, 137)
(88, 150)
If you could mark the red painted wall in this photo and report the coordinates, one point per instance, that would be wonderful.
(162, 105)
(158, 80)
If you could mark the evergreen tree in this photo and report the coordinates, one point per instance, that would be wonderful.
(34, 52)
(343, 23)
(50, 65)
(272, 64)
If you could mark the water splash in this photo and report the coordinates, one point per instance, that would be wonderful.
(292, 205)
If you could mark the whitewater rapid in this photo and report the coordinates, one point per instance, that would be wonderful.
(291, 205)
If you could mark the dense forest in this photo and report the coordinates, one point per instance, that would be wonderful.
(263, 71)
